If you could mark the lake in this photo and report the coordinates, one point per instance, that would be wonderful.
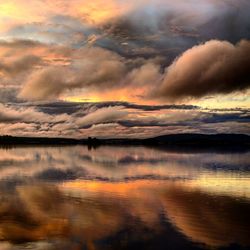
(112, 197)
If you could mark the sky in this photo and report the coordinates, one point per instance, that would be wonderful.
(124, 68)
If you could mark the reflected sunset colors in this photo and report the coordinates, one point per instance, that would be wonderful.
(123, 198)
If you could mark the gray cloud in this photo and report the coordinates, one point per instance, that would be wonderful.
(11, 114)
(8, 94)
(102, 115)
(169, 28)
(148, 29)
(20, 64)
(59, 29)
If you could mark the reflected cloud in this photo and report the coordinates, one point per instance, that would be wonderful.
(219, 172)
(86, 213)
(208, 219)
(73, 198)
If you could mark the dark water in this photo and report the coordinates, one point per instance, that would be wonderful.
(123, 198)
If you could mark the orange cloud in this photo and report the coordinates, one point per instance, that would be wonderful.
(99, 11)
(14, 12)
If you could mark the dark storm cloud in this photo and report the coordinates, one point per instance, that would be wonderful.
(170, 28)
(216, 67)
(232, 22)
(146, 34)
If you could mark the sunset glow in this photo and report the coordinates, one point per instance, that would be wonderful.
(124, 55)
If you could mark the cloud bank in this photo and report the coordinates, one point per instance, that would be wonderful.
(117, 119)
(215, 67)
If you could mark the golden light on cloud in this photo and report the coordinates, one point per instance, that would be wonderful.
(123, 94)
(100, 11)
(94, 12)
(227, 101)
(7, 9)
(8, 13)
(14, 13)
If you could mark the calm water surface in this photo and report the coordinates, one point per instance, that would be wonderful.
(119, 198)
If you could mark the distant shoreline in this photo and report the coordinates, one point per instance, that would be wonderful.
(232, 141)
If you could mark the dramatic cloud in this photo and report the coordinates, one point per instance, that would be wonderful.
(94, 67)
(216, 67)
(133, 57)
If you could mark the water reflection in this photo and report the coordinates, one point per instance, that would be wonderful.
(123, 198)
